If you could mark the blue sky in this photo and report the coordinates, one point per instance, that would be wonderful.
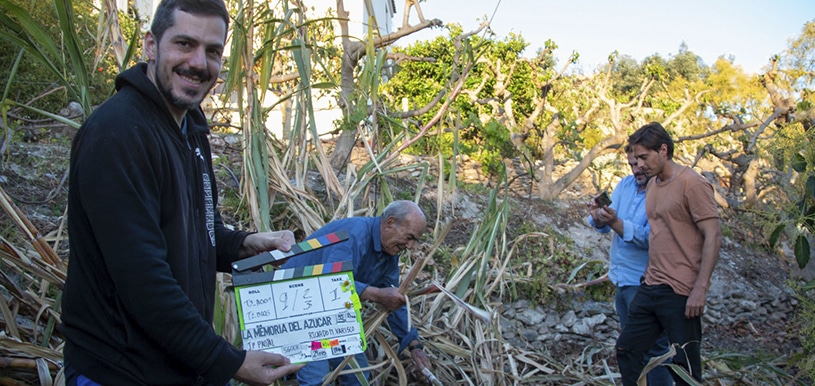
(749, 30)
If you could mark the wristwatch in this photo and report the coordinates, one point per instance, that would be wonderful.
(419, 346)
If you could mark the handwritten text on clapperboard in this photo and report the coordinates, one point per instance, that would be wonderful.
(307, 318)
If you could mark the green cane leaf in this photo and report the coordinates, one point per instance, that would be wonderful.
(776, 234)
(802, 251)
(799, 163)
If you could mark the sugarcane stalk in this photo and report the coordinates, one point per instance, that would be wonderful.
(43, 248)
(23, 363)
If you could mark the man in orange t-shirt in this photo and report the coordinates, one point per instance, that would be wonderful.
(684, 247)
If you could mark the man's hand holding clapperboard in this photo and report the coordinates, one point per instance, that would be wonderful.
(277, 257)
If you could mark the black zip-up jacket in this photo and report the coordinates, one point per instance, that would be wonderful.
(145, 241)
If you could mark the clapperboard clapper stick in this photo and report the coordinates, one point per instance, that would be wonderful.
(278, 256)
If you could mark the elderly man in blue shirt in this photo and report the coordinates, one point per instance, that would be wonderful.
(373, 244)
(629, 249)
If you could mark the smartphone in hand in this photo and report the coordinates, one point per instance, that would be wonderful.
(603, 199)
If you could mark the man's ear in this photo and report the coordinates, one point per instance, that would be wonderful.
(150, 46)
(390, 221)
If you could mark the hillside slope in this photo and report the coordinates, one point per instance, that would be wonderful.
(751, 307)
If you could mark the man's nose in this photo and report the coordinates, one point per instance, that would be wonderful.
(198, 58)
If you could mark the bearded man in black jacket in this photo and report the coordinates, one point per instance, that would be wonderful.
(145, 234)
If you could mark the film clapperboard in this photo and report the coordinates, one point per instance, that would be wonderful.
(306, 313)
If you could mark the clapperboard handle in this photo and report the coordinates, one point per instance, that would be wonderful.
(264, 258)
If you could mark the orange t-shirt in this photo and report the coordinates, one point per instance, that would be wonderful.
(675, 243)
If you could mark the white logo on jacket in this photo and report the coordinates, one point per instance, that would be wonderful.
(209, 203)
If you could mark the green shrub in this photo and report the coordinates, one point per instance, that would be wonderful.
(33, 83)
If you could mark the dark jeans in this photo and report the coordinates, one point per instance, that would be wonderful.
(74, 378)
(656, 309)
(660, 375)
(313, 372)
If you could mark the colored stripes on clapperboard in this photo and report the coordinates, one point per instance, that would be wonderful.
(312, 270)
(301, 247)
(292, 273)
(307, 245)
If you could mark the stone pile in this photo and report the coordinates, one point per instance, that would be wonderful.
(595, 324)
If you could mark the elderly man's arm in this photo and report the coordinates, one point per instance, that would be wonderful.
(388, 297)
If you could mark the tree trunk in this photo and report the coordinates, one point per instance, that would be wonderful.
(750, 185)
(350, 58)
(553, 190)
(352, 52)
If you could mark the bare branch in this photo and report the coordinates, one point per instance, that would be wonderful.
(392, 37)
(408, 5)
(419, 111)
(283, 78)
(400, 57)
(776, 113)
(688, 103)
(473, 94)
(731, 127)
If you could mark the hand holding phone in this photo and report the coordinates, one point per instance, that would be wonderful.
(602, 200)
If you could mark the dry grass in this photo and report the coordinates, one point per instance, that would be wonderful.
(31, 282)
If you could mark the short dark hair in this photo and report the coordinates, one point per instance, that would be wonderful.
(401, 209)
(164, 17)
(652, 136)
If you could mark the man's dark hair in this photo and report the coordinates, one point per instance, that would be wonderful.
(400, 210)
(164, 18)
(652, 136)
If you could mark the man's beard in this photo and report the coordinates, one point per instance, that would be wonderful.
(644, 181)
(166, 91)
